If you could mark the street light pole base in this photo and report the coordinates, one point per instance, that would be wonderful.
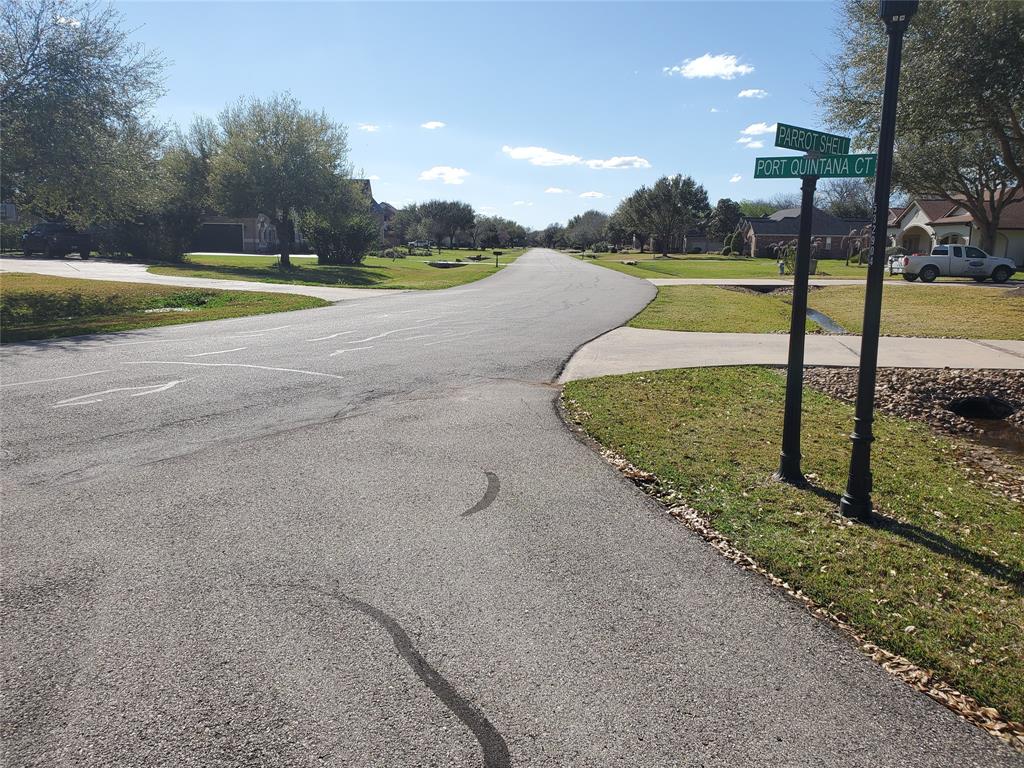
(859, 509)
(789, 471)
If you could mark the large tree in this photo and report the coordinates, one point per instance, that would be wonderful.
(74, 96)
(675, 204)
(280, 160)
(449, 217)
(847, 198)
(963, 65)
(585, 229)
(965, 170)
(724, 218)
(631, 217)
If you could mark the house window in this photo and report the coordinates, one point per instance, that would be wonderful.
(828, 243)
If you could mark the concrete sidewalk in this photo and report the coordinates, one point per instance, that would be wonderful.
(98, 269)
(626, 350)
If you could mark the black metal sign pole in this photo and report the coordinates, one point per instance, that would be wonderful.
(856, 501)
(789, 461)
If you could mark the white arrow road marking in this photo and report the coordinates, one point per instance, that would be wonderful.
(388, 333)
(350, 349)
(164, 388)
(219, 352)
(332, 336)
(232, 365)
(152, 389)
(59, 378)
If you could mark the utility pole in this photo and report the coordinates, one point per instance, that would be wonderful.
(856, 501)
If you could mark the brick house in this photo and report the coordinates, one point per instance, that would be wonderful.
(761, 233)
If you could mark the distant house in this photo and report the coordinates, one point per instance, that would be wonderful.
(255, 234)
(927, 222)
(761, 233)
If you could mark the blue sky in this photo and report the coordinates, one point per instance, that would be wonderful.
(591, 99)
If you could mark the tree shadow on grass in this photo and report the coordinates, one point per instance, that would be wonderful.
(915, 534)
(337, 275)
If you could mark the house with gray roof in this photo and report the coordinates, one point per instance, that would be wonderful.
(761, 233)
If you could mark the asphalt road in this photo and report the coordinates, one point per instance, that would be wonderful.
(361, 536)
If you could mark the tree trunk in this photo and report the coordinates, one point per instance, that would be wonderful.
(284, 242)
(988, 232)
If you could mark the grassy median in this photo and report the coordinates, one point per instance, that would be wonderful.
(964, 312)
(43, 307)
(715, 310)
(953, 312)
(940, 580)
(409, 273)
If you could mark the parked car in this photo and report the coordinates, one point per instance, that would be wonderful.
(55, 239)
(954, 261)
(420, 244)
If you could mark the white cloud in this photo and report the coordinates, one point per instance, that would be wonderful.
(757, 129)
(592, 194)
(373, 177)
(632, 161)
(556, 191)
(754, 144)
(723, 65)
(68, 21)
(432, 125)
(752, 93)
(369, 127)
(744, 140)
(735, 177)
(445, 173)
(713, 109)
(547, 157)
(541, 156)
(522, 202)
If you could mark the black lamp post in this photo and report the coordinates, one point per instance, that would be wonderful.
(856, 501)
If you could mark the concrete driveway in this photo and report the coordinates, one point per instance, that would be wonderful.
(119, 271)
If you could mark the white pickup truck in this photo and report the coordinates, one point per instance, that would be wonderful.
(953, 261)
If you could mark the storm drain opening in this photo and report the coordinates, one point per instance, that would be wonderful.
(987, 407)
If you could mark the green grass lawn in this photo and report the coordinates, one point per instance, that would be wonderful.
(715, 266)
(940, 580)
(716, 310)
(374, 272)
(961, 312)
(44, 307)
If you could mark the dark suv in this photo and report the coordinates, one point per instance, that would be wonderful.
(55, 239)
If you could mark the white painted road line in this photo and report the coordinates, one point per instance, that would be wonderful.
(233, 365)
(218, 352)
(350, 349)
(59, 378)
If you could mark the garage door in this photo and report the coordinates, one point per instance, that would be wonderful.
(219, 238)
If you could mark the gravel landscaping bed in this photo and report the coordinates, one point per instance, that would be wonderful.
(993, 455)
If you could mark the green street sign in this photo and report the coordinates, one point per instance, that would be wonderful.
(829, 167)
(806, 140)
